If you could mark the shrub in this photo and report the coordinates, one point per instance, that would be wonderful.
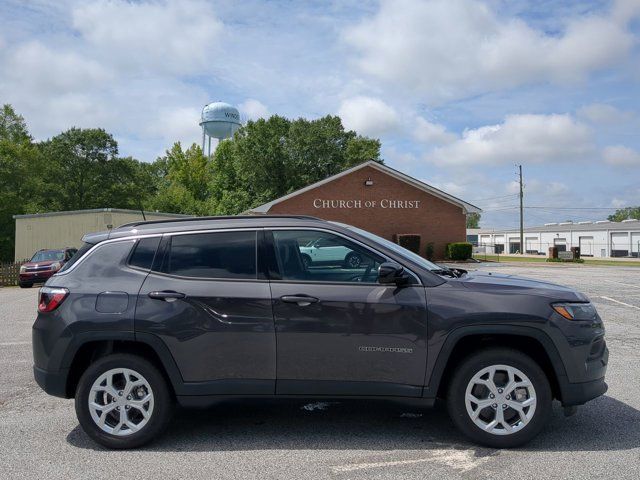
(430, 251)
(560, 260)
(459, 251)
(409, 241)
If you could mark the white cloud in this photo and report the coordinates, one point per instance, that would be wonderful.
(618, 202)
(368, 116)
(253, 109)
(621, 156)
(447, 49)
(520, 139)
(432, 133)
(167, 36)
(604, 114)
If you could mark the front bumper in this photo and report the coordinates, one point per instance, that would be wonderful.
(36, 277)
(580, 393)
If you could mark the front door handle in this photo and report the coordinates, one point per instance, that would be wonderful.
(301, 300)
(166, 295)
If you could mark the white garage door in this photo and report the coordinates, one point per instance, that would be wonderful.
(531, 244)
(586, 246)
(619, 244)
(635, 244)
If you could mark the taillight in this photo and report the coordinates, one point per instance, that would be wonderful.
(51, 298)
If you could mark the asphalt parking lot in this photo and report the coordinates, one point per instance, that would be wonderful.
(40, 437)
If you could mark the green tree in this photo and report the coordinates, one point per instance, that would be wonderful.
(473, 220)
(269, 158)
(20, 165)
(625, 214)
(183, 181)
(80, 159)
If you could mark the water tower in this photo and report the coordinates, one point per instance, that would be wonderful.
(218, 120)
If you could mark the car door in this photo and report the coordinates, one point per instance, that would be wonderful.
(340, 332)
(204, 300)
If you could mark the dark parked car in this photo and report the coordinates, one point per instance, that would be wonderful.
(43, 265)
(196, 310)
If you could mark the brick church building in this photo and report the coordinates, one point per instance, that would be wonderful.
(384, 201)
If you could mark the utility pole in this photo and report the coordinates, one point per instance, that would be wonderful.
(522, 247)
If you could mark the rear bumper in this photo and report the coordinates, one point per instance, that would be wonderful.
(54, 383)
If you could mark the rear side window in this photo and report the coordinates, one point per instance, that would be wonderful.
(77, 256)
(143, 253)
(212, 255)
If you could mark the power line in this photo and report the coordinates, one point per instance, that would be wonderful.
(574, 208)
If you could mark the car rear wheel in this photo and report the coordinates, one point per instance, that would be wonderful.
(123, 401)
(500, 398)
(26, 285)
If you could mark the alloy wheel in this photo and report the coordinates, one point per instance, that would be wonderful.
(121, 401)
(500, 399)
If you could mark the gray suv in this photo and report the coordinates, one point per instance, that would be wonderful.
(196, 310)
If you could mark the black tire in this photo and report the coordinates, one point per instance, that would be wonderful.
(352, 260)
(473, 364)
(162, 396)
(26, 285)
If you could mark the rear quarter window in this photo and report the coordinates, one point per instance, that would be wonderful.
(77, 256)
(144, 252)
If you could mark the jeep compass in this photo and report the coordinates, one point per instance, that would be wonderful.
(191, 311)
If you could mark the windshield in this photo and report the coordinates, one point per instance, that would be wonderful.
(48, 256)
(415, 258)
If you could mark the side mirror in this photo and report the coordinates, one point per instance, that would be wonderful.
(391, 272)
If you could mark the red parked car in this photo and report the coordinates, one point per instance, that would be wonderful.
(43, 265)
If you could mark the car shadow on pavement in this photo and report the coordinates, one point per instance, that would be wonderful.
(603, 424)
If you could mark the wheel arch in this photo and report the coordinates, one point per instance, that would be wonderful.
(466, 340)
(94, 345)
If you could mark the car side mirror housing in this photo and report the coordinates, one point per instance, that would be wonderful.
(391, 272)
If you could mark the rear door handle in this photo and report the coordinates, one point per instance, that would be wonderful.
(301, 300)
(166, 295)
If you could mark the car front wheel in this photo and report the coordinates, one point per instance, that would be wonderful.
(123, 401)
(500, 398)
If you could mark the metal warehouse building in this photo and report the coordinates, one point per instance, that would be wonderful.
(595, 239)
(65, 229)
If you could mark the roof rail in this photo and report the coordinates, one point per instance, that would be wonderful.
(221, 217)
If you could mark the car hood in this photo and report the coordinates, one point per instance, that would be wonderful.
(44, 263)
(489, 281)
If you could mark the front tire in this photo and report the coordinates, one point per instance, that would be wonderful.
(352, 260)
(499, 398)
(25, 285)
(123, 401)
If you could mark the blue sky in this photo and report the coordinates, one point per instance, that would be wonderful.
(459, 91)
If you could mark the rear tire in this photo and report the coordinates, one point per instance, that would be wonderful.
(25, 285)
(517, 415)
(110, 384)
(352, 260)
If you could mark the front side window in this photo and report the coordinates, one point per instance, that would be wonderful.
(212, 255)
(323, 257)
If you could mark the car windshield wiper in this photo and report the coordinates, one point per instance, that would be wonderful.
(449, 272)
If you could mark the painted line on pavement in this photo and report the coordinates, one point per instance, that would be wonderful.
(618, 301)
(625, 284)
(10, 344)
(460, 460)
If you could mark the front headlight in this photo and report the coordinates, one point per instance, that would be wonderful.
(56, 266)
(576, 311)
(23, 269)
